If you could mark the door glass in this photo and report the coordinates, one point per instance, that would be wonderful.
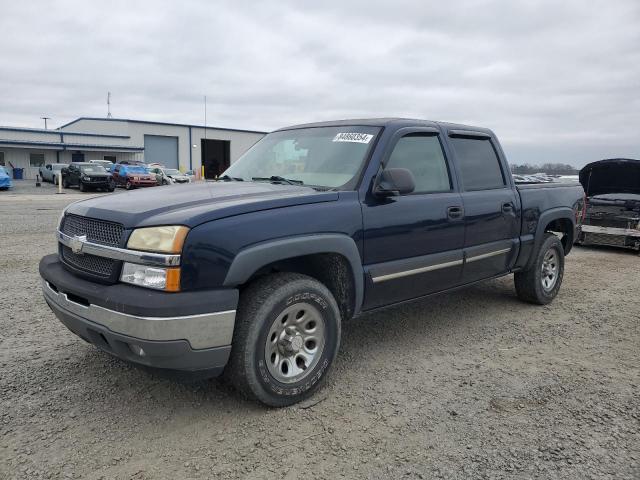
(479, 165)
(422, 155)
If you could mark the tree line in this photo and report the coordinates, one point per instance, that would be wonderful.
(549, 168)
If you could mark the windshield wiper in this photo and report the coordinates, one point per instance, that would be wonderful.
(227, 178)
(278, 178)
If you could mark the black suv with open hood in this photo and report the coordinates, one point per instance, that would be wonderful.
(612, 218)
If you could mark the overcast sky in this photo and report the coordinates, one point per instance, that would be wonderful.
(557, 80)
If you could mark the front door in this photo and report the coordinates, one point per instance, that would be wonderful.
(490, 205)
(413, 243)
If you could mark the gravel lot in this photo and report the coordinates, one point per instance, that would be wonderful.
(473, 384)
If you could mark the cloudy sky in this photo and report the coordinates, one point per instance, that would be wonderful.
(556, 80)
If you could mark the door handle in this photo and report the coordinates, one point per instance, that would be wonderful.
(455, 213)
(507, 207)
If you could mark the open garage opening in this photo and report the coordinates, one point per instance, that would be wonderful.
(215, 157)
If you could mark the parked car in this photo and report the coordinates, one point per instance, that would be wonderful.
(133, 176)
(104, 163)
(314, 225)
(87, 176)
(5, 179)
(168, 176)
(49, 172)
(612, 216)
(191, 174)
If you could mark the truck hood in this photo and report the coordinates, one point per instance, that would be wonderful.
(616, 175)
(196, 204)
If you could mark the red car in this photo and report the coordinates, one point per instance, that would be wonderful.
(133, 176)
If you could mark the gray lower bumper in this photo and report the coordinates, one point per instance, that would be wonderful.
(205, 330)
(198, 343)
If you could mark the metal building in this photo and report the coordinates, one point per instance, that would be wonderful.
(182, 146)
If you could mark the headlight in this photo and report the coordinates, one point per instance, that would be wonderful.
(167, 279)
(136, 178)
(167, 239)
(85, 178)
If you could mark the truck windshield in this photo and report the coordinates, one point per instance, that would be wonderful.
(328, 157)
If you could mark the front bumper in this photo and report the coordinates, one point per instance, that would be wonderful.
(609, 236)
(179, 331)
(143, 183)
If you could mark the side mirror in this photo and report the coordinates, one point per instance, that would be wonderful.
(394, 181)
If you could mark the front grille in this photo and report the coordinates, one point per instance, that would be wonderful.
(610, 222)
(97, 231)
(101, 266)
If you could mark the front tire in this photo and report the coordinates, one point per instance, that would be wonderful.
(128, 185)
(541, 281)
(82, 187)
(286, 338)
(65, 183)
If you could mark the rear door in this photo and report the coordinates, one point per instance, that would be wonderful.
(490, 205)
(73, 174)
(413, 243)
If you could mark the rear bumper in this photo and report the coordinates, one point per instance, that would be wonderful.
(156, 329)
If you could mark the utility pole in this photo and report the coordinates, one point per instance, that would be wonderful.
(204, 148)
(108, 104)
(45, 121)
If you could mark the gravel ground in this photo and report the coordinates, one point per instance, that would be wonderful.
(473, 384)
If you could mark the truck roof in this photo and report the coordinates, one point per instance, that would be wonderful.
(389, 122)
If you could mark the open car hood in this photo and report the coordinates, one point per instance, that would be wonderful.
(615, 175)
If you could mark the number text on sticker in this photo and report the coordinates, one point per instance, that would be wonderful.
(353, 137)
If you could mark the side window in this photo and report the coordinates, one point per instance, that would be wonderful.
(479, 165)
(423, 156)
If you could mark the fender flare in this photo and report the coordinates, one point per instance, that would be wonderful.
(251, 259)
(563, 213)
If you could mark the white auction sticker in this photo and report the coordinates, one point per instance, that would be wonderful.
(353, 137)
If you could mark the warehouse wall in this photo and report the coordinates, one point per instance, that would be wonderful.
(19, 158)
(240, 141)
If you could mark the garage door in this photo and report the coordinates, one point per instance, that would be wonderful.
(161, 149)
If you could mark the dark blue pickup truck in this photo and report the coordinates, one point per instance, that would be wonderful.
(252, 275)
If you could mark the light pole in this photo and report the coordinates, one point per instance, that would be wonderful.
(45, 121)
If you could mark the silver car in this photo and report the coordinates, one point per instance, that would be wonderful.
(169, 176)
(50, 172)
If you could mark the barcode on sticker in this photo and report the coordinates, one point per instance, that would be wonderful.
(353, 137)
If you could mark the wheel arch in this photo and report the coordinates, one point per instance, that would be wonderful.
(333, 259)
(560, 220)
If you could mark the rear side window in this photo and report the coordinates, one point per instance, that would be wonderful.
(478, 163)
(422, 155)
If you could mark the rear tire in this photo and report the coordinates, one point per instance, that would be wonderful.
(286, 337)
(541, 281)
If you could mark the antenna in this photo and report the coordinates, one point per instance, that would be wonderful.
(109, 105)
(45, 121)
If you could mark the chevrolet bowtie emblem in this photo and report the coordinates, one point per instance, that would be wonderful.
(77, 243)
